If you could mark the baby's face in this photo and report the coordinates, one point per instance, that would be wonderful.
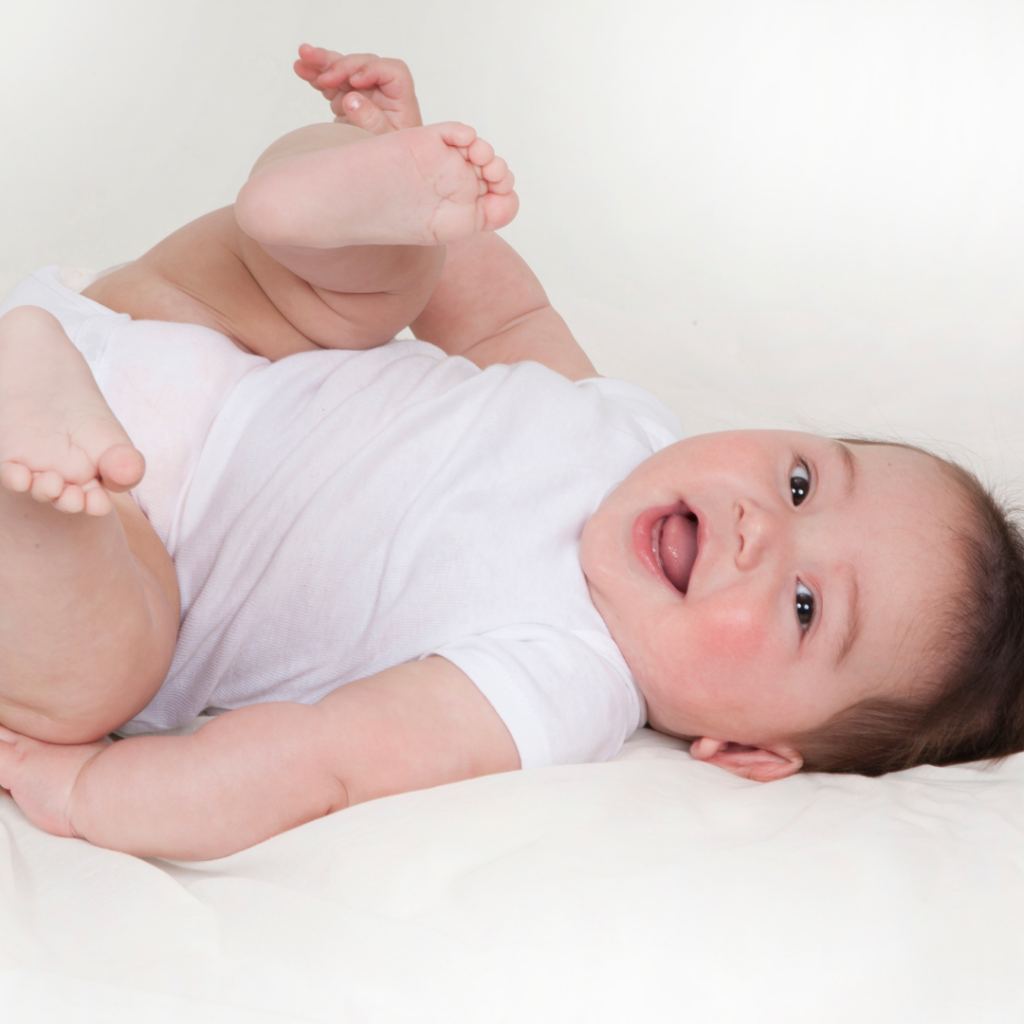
(758, 582)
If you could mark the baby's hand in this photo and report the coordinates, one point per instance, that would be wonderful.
(373, 93)
(41, 777)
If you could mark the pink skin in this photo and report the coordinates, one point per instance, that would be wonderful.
(41, 777)
(373, 93)
(422, 186)
(59, 441)
(728, 663)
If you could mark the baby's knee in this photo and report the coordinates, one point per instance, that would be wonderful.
(38, 726)
(29, 319)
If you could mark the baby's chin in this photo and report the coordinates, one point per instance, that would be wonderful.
(595, 541)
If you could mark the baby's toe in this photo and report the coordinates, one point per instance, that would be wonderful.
(97, 501)
(499, 178)
(494, 170)
(495, 211)
(47, 486)
(71, 500)
(457, 134)
(480, 152)
(15, 477)
(121, 467)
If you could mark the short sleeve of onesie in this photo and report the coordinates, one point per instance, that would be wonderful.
(566, 697)
(638, 411)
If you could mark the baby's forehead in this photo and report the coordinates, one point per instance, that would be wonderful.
(913, 466)
(913, 566)
(913, 492)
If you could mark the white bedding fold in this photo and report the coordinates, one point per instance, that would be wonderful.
(646, 887)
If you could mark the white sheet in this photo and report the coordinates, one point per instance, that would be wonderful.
(652, 887)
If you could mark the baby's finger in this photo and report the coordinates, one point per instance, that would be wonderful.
(338, 97)
(333, 80)
(312, 62)
(391, 76)
(363, 113)
(306, 72)
(317, 56)
(343, 67)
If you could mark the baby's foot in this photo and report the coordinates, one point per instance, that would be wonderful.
(421, 186)
(373, 93)
(59, 441)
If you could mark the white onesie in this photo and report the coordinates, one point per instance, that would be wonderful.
(336, 513)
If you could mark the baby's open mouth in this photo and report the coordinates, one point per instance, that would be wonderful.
(674, 545)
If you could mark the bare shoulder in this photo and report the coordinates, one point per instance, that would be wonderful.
(210, 273)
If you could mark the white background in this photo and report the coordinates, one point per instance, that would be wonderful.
(771, 212)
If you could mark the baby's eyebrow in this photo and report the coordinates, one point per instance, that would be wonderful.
(851, 625)
(849, 462)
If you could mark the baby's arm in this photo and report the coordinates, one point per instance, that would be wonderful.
(257, 771)
(490, 307)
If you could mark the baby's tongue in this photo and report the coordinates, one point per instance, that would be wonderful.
(678, 549)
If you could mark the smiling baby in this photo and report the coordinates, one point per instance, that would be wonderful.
(387, 565)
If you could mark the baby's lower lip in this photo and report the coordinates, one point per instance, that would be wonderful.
(643, 536)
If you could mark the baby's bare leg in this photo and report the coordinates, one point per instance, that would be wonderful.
(87, 629)
(366, 217)
(327, 187)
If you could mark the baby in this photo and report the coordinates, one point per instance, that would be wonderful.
(392, 566)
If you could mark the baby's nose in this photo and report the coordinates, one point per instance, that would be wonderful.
(756, 533)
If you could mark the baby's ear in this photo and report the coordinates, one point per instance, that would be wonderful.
(759, 764)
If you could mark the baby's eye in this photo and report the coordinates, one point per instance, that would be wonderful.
(799, 483)
(804, 606)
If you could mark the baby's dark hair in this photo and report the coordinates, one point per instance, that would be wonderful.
(975, 704)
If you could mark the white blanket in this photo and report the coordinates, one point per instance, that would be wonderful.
(651, 888)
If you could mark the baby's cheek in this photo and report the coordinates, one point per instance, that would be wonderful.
(732, 635)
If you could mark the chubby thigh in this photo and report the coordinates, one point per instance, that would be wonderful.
(89, 606)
